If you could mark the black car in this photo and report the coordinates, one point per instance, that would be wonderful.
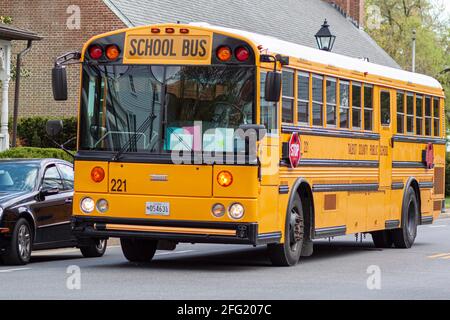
(36, 208)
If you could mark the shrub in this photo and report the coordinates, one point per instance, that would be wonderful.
(31, 132)
(29, 152)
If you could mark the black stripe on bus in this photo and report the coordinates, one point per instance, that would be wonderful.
(426, 185)
(307, 131)
(272, 237)
(400, 138)
(283, 189)
(392, 224)
(330, 232)
(333, 163)
(426, 220)
(397, 186)
(345, 187)
(408, 164)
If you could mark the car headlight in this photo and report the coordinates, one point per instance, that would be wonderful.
(87, 205)
(236, 211)
(102, 205)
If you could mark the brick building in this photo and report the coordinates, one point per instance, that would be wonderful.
(66, 24)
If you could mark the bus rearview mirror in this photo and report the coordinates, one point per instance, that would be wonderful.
(273, 86)
(59, 83)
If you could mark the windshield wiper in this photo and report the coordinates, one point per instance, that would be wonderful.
(134, 137)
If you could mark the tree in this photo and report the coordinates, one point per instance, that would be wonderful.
(398, 19)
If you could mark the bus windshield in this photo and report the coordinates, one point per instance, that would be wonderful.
(157, 109)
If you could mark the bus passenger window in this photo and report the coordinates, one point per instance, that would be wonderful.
(344, 92)
(317, 89)
(436, 117)
(419, 115)
(400, 112)
(356, 105)
(303, 98)
(368, 107)
(428, 116)
(331, 102)
(288, 97)
(385, 103)
(268, 110)
(410, 113)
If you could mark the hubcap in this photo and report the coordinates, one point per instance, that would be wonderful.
(100, 245)
(24, 241)
(295, 229)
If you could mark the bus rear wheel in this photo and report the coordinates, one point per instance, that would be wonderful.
(138, 250)
(289, 252)
(404, 237)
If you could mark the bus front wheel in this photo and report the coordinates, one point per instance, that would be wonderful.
(404, 237)
(289, 252)
(138, 250)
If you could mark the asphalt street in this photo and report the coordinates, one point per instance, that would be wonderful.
(339, 269)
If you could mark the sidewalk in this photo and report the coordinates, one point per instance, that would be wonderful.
(446, 214)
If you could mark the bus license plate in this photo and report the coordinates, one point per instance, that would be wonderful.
(157, 208)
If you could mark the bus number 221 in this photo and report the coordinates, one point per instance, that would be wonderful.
(118, 185)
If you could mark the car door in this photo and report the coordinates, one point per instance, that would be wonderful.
(67, 175)
(50, 210)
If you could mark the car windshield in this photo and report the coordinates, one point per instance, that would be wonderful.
(16, 177)
(150, 108)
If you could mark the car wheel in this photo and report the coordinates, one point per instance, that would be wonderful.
(95, 250)
(138, 250)
(404, 237)
(289, 252)
(382, 239)
(19, 250)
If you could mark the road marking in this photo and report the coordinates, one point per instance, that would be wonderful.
(440, 255)
(176, 252)
(12, 270)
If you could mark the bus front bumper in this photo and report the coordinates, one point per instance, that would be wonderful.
(178, 231)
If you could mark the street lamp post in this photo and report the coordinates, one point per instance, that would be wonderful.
(325, 39)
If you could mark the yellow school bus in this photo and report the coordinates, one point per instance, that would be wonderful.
(337, 145)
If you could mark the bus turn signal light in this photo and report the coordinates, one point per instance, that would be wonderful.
(95, 52)
(225, 178)
(223, 53)
(97, 174)
(112, 52)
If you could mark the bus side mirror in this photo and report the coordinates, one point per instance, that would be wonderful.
(54, 127)
(59, 83)
(273, 86)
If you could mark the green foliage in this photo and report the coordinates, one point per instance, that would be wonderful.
(33, 153)
(447, 175)
(31, 132)
(5, 19)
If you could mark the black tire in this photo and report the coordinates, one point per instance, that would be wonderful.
(382, 239)
(95, 250)
(21, 244)
(289, 252)
(404, 237)
(138, 250)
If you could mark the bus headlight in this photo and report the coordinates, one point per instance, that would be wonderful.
(236, 211)
(218, 210)
(102, 205)
(87, 205)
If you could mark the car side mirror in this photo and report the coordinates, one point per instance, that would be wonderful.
(48, 192)
(273, 86)
(54, 127)
(59, 83)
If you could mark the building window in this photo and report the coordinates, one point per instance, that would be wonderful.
(385, 104)
(317, 88)
(268, 110)
(331, 102)
(368, 107)
(419, 115)
(344, 93)
(356, 105)
(400, 112)
(428, 116)
(287, 114)
(303, 98)
(436, 117)
(410, 113)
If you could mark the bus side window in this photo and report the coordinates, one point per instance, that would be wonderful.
(268, 109)
(331, 101)
(385, 103)
(303, 98)
(368, 107)
(317, 89)
(436, 117)
(419, 115)
(356, 105)
(400, 112)
(428, 116)
(344, 93)
(288, 97)
(410, 113)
